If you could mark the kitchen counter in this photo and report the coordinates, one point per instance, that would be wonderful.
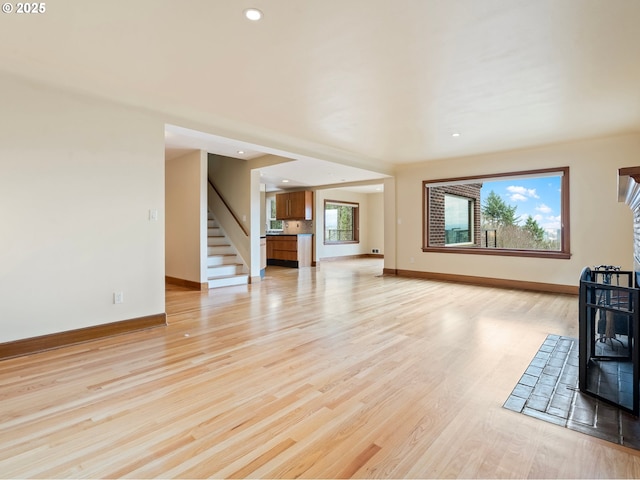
(286, 234)
(289, 250)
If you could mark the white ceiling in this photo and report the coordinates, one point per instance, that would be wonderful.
(366, 84)
(295, 171)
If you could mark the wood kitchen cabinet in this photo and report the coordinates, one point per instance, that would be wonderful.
(289, 250)
(294, 206)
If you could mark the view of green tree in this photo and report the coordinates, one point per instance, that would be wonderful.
(535, 230)
(345, 218)
(273, 223)
(339, 223)
(496, 212)
(500, 217)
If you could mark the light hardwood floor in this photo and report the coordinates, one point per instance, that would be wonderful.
(327, 372)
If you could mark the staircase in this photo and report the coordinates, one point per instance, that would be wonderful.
(224, 265)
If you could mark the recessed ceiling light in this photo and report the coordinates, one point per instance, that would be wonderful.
(253, 14)
(240, 152)
(456, 134)
(285, 181)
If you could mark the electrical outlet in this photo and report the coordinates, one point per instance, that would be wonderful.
(118, 297)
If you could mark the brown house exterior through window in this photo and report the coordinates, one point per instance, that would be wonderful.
(441, 234)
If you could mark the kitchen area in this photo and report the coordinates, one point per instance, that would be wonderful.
(288, 239)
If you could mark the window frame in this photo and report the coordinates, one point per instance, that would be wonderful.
(355, 226)
(565, 246)
(470, 223)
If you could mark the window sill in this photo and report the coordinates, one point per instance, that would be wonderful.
(502, 252)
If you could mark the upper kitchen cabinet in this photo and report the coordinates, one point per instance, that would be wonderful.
(294, 206)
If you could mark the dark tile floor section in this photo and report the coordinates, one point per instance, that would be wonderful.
(548, 390)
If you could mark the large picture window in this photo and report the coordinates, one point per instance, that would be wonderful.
(340, 222)
(516, 213)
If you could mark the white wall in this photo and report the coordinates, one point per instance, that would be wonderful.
(330, 251)
(256, 217)
(375, 221)
(390, 221)
(186, 217)
(232, 178)
(601, 228)
(78, 178)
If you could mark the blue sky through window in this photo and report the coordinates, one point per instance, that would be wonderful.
(537, 197)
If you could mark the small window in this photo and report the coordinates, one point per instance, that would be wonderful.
(517, 213)
(272, 223)
(340, 222)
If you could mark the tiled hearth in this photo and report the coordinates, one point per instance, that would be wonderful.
(548, 390)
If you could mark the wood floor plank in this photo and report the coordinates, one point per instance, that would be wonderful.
(332, 371)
